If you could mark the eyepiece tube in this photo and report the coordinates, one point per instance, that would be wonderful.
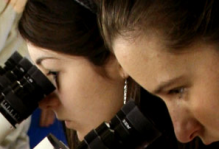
(21, 89)
(127, 129)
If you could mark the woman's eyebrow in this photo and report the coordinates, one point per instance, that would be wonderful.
(166, 84)
(39, 60)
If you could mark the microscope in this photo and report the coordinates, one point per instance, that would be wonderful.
(131, 128)
(22, 86)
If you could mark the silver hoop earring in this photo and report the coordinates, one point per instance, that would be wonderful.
(125, 91)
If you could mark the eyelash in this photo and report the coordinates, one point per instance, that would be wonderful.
(54, 74)
(178, 91)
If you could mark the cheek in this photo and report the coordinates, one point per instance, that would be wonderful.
(205, 111)
(66, 90)
(204, 104)
(73, 88)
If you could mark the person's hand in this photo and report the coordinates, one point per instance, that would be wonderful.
(47, 118)
(18, 5)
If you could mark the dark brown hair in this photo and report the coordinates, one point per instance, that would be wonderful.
(181, 22)
(63, 26)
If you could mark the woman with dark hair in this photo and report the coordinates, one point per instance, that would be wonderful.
(65, 43)
(170, 47)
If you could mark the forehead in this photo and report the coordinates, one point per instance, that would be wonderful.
(37, 52)
(149, 62)
(61, 60)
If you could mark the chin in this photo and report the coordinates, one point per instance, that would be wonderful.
(68, 124)
(80, 136)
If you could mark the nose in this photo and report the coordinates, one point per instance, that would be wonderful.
(186, 127)
(186, 131)
(50, 102)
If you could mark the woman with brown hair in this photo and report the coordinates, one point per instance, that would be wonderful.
(170, 47)
(64, 42)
